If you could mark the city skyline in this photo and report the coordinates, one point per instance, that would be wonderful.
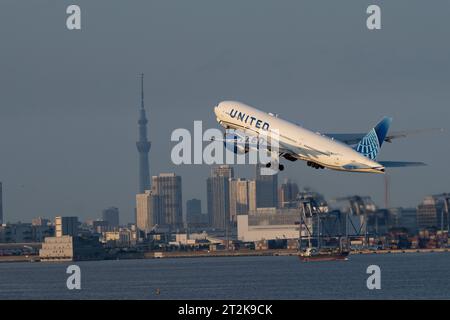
(68, 138)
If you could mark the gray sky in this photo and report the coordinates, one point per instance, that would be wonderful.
(69, 99)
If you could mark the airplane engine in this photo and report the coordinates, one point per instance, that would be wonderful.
(236, 142)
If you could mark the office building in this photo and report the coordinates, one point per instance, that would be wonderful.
(266, 189)
(218, 194)
(148, 211)
(433, 212)
(194, 216)
(403, 218)
(1, 203)
(242, 197)
(66, 226)
(408, 220)
(287, 195)
(193, 207)
(111, 216)
(168, 187)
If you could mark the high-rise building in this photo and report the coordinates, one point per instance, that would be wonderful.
(288, 192)
(148, 211)
(66, 226)
(252, 195)
(218, 193)
(194, 216)
(266, 189)
(242, 197)
(434, 212)
(1, 203)
(168, 187)
(111, 215)
(193, 207)
(143, 146)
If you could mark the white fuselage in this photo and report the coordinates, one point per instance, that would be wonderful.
(303, 144)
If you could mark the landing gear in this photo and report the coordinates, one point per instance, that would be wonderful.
(315, 165)
(280, 166)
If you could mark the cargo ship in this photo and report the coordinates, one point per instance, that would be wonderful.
(312, 254)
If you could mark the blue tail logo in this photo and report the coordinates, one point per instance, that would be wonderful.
(370, 145)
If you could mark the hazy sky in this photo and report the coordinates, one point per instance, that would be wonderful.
(69, 99)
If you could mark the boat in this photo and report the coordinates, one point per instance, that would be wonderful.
(313, 254)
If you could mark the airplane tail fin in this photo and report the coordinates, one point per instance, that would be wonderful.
(370, 145)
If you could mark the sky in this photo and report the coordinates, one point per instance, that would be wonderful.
(69, 99)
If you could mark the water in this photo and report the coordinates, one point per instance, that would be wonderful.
(403, 276)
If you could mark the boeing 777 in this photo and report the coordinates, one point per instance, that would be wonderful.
(343, 152)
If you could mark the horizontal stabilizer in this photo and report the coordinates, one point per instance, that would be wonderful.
(355, 138)
(398, 164)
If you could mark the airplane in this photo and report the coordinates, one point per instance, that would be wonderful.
(342, 152)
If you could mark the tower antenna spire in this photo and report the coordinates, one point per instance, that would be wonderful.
(142, 91)
(143, 145)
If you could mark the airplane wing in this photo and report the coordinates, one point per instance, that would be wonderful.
(238, 141)
(354, 138)
(398, 164)
(245, 141)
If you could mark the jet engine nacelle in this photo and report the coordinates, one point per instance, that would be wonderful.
(236, 142)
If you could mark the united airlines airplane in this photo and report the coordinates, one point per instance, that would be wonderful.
(343, 152)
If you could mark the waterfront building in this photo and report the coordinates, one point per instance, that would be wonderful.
(66, 226)
(69, 248)
(24, 232)
(433, 212)
(269, 224)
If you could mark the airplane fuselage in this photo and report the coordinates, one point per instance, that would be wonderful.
(294, 140)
